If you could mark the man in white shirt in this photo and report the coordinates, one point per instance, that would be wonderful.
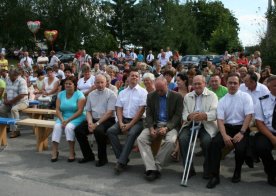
(86, 58)
(159, 54)
(234, 114)
(43, 59)
(54, 59)
(265, 115)
(133, 55)
(130, 107)
(121, 54)
(26, 60)
(163, 59)
(150, 58)
(169, 53)
(253, 87)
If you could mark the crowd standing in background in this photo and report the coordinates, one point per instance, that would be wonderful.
(150, 98)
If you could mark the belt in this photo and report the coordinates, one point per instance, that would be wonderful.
(231, 125)
(127, 119)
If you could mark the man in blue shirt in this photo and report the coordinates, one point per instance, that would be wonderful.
(163, 120)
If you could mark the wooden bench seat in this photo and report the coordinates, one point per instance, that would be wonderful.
(43, 129)
(3, 129)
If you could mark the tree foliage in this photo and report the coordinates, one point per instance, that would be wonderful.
(105, 25)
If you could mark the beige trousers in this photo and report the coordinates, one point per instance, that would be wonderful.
(163, 155)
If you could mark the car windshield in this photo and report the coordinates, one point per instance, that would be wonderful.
(191, 58)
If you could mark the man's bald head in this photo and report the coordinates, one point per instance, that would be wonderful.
(161, 86)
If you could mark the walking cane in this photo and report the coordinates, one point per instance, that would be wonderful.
(189, 157)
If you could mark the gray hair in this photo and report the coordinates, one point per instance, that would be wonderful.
(149, 75)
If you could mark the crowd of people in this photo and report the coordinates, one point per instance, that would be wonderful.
(152, 100)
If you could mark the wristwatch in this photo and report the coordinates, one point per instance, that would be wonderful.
(242, 131)
(97, 123)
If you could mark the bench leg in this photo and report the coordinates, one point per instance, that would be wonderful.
(42, 135)
(3, 135)
(36, 116)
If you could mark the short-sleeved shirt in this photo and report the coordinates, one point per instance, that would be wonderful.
(18, 87)
(260, 91)
(2, 85)
(233, 108)
(264, 110)
(54, 60)
(99, 102)
(28, 59)
(220, 92)
(69, 106)
(84, 86)
(130, 99)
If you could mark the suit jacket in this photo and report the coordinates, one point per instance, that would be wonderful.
(208, 105)
(174, 110)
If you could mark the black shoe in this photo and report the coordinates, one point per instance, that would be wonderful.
(271, 180)
(206, 176)
(152, 175)
(192, 173)
(55, 159)
(101, 163)
(71, 160)
(85, 160)
(213, 182)
(119, 167)
(236, 177)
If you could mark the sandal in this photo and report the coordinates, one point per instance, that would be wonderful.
(15, 134)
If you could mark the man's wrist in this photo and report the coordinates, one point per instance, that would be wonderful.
(242, 131)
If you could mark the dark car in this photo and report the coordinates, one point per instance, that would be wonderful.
(215, 59)
(65, 56)
(191, 60)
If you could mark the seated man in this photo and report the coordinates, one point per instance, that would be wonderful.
(265, 116)
(234, 114)
(15, 99)
(200, 106)
(100, 107)
(130, 107)
(163, 113)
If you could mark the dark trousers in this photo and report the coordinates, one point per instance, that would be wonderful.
(122, 151)
(264, 149)
(218, 143)
(205, 139)
(81, 133)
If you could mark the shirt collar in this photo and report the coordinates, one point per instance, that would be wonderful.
(205, 92)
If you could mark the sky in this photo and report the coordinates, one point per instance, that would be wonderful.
(251, 19)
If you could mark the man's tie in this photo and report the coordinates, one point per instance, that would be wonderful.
(274, 118)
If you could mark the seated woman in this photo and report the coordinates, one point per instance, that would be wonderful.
(69, 110)
(38, 83)
(49, 87)
(86, 83)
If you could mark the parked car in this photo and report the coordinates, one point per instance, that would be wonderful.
(65, 56)
(191, 60)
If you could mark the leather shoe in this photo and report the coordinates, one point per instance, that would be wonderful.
(101, 163)
(271, 180)
(119, 167)
(236, 177)
(85, 160)
(152, 175)
(213, 182)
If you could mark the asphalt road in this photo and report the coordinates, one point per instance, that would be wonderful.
(25, 172)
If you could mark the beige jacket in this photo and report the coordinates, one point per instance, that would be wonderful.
(208, 105)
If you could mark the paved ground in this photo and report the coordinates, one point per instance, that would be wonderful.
(25, 172)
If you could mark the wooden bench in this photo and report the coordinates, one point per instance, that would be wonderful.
(36, 113)
(3, 129)
(43, 129)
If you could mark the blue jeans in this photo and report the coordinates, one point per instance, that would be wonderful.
(122, 151)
